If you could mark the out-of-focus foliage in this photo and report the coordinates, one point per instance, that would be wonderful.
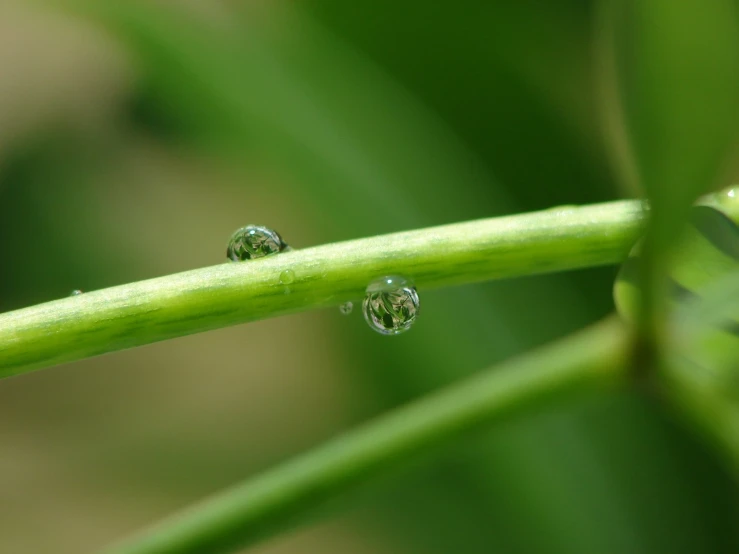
(708, 253)
(135, 137)
(675, 82)
(699, 367)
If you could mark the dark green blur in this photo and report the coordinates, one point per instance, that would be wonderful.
(134, 139)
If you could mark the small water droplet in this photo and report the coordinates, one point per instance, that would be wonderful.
(391, 305)
(75, 292)
(287, 277)
(254, 241)
(346, 308)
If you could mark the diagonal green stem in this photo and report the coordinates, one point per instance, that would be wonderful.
(256, 509)
(148, 311)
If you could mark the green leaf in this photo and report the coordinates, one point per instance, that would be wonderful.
(708, 250)
(700, 369)
(679, 93)
(677, 90)
(706, 323)
(702, 373)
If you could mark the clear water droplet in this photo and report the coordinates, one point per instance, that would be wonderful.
(287, 277)
(346, 308)
(254, 241)
(75, 292)
(391, 305)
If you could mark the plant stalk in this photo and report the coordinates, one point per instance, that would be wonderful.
(245, 514)
(140, 313)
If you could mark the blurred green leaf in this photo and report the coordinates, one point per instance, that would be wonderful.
(677, 72)
(702, 374)
(708, 250)
(699, 372)
(706, 321)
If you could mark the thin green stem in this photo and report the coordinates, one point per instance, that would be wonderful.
(148, 311)
(258, 508)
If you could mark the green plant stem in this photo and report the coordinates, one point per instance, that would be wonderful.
(256, 509)
(148, 311)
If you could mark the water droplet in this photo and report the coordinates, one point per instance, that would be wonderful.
(254, 241)
(346, 308)
(75, 292)
(287, 277)
(391, 305)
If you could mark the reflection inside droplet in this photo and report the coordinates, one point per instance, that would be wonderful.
(391, 305)
(254, 241)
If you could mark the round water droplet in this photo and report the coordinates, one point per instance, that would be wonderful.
(287, 277)
(254, 241)
(391, 305)
(346, 308)
(75, 292)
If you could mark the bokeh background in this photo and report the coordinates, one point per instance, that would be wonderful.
(134, 138)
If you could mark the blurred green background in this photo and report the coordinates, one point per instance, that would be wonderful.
(134, 138)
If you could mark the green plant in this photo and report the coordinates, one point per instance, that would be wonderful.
(658, 350)
(204, 299)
